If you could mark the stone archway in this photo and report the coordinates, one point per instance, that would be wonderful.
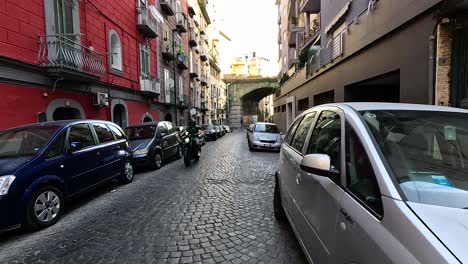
(62, 109)
(147, 117)
(119, 112)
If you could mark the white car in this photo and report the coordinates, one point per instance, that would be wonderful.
(376, 183)
(264, 136)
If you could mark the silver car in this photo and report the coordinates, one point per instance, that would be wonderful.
(264, 136)
(376, 183)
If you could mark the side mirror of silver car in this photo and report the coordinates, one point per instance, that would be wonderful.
(319, 164)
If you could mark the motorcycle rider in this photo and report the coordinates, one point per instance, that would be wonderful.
(194, 130)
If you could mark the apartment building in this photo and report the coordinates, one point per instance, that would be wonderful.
(369, 50)
(110, 60)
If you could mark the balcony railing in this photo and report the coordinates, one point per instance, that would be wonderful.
(168, 7)
(181, 20)
(203, 54)
(204, 79)
(332, 51)
(194, 68)
(193, 38)
(147, 24)
(61, 54)
(191, 7)
(167, 49)
(150, 86)
(305, 38)
(182, 61)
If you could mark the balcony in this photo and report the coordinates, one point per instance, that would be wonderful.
(63, 57)
(204, 37)
(147, 24)
(194, 68)
(293, 30)
(191, 7)
(309, 6)
(204, 79)
(193, 38)
(203, 54)
(150, 86)
(305, 38)
(181, 20)
(292, 57)
(168, 7)
(182, 61)
(325, 56)
(167, 50)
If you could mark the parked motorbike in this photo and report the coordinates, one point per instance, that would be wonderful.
(192, 148)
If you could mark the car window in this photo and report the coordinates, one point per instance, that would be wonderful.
(362, 181)
(162, 128)
(302, 131)
(170, 127)
(103, 133)
(117, 132)
(292, 129)
(266, 128)
(326, 138)
(57, 148)
(81, 133)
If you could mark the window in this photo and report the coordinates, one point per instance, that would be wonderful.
(266, 128)
(144, 61)
(303, 104)
(326, 138)
(115, 51)
(117, 132)
(302, 131)
(283, 108)
(168, 84)
(162, 128)
(64, 11)
(103, 133)
(82, 134)
(360, 174)
(57, 148)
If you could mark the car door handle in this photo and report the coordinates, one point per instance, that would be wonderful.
(346, 215)
(298, 178)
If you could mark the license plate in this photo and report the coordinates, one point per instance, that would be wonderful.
(267, 145)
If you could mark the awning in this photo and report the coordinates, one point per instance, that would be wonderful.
(338, 17)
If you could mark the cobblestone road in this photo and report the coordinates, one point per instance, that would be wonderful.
(217, 211)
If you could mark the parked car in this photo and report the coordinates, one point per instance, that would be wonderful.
(376, 182)
(154, 142)
(209, 131)
(249, 128)
(264, 136)
(219, 133)
(44, 164)
(227, 128)
(223, 131)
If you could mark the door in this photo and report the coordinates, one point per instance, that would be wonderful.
(318, 196)
(172, 140)
(83, 163)
(163, 139)
(361, 209)
(109, 162)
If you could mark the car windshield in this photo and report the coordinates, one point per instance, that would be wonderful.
(142, 132)
(207, 127)
(25, 141)
(266, 128)
(427, 152)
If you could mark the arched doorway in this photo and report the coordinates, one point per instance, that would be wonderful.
(168, 117)
(66, 113)
(147, 119)
(120, 115)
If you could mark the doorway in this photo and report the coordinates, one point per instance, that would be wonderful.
(383, 88)
(66, 113)
(147, 119)
(120, 115)
(168, 117)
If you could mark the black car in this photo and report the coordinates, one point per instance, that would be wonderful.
(154, 142)
(219, 132)
(210, 132)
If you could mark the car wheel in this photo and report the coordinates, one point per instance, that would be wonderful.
(127, 173)
(277, 205)
(157, 161)
(180, 152)
(44, 208)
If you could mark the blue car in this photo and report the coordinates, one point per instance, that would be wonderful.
(42, 165)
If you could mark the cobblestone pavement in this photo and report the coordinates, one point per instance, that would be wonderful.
(217, 211)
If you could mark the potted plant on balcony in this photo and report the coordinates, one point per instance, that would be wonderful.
(293, 20)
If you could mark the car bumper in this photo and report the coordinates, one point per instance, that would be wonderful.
(210, 136)
(266, 146)
(141, 161)
(10, 214)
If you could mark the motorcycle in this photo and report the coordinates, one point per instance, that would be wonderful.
(192, 148)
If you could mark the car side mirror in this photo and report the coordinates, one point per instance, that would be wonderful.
(75, 146)
(319, 164)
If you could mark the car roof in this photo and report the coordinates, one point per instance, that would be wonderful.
(264, 123)
(61, 123)
(367, 106)
(145, 124)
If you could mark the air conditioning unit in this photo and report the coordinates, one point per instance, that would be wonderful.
(101, 99)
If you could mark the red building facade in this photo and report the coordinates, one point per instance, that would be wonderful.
(67, 59)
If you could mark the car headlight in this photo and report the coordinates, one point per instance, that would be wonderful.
(5, 183)
(187, 140)
(141, 152)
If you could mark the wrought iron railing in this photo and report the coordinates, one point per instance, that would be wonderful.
(332, 51)
(181, 20)
(60, 51)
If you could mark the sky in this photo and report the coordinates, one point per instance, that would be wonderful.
(252, 26)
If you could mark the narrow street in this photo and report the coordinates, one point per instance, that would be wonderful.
(219, 210)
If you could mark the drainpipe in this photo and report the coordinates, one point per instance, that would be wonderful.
(431, 86)
(175, 77)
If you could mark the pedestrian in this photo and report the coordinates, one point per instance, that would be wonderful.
(242, 124)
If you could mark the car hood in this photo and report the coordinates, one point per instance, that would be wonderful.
(449, 224)
(140, 143)
(266, 136)
(10, 165)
